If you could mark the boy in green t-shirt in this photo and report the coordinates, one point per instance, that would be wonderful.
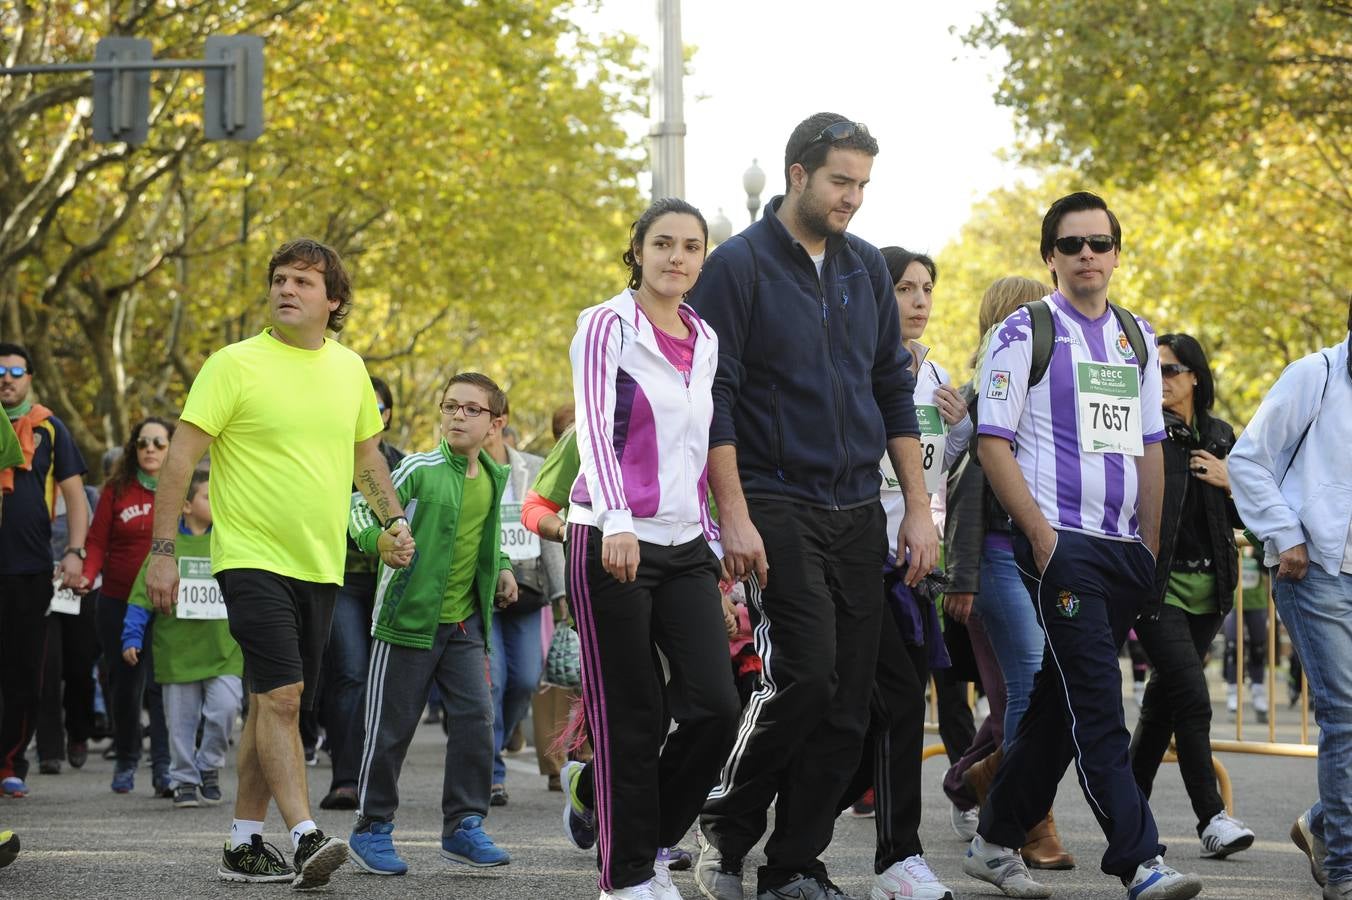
(196, 660)
(431, 622)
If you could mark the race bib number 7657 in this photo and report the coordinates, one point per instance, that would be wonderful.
(1108, 407)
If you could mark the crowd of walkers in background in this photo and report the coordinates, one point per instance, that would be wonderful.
(769, 523)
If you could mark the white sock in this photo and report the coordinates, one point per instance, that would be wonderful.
(243, 830)
(301, 830)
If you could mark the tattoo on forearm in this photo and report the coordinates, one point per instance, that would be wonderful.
(161, 547)
(379, 502)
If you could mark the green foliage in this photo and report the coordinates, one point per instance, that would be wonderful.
(1218, 131)
(1130, 89)
(464, 157)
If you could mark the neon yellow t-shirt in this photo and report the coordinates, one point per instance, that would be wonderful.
(11, 454)
(284, 421)
(461, 600)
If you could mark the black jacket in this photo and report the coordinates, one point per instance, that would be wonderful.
(1217, 438)
(972, 512)
(812, 378)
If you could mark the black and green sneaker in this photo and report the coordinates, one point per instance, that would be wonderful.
(254, 861)
(316, 859)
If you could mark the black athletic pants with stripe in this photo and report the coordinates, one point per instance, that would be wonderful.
(647, 794)
(816, 627)
(892, 757)
(1087, 600)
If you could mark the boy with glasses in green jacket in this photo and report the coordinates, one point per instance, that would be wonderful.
(431, 621)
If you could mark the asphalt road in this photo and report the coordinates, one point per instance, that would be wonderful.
(82, 841)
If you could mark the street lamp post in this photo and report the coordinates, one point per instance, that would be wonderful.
(668, 128)
(753, 181)
(720, 228)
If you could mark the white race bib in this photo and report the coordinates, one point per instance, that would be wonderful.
(518, 541)
(64, 600)
(199, 596)
(1108, 407)
(933, 437)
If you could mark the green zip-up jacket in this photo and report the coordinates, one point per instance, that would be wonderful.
(430, 486)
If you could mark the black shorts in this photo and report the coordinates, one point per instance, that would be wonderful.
(281, 624)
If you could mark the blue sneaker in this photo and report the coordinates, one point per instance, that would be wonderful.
(124, 780)
(579, 822)
(471, 845)
(373, 850)
(13, 786)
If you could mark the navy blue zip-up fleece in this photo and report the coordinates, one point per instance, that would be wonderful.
(812, 377)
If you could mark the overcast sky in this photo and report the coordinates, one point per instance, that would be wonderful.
(761, 66)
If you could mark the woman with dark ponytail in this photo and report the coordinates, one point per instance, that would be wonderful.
(642, 574)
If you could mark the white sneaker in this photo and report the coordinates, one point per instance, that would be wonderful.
(1231, 699)
(964, 822)
(1260, 703)
(1224, 835)
(662, 886)
(642, 891)
(1156, 881)
(1312, 845)
(910, 879)
(1003, 868)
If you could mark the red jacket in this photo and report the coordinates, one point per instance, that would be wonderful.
(119, 538)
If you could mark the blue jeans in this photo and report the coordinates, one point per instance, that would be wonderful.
(515, 664)
(1011, 624)
(343, 685)
(1317, 611)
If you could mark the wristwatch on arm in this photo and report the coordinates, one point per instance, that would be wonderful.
(78, 551)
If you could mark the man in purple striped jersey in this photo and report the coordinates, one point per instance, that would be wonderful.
(1075, 458)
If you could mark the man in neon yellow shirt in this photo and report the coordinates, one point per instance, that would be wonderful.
(291, 420)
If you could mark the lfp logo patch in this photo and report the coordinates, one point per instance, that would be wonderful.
(1067, 604)
(998, 389)
(1124, 347)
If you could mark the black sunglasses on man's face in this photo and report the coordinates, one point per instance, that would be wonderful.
(1099, 243)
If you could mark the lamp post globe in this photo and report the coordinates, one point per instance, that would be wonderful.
(720, 228)
(753, 181)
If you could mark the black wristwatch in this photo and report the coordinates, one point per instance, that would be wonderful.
(394, 520)
(78, 551)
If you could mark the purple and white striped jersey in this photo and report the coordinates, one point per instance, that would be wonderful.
(1076, 490)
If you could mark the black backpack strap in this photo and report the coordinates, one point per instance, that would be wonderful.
(1132, 329)
(1044, 333)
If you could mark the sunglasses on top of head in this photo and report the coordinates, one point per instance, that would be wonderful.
(838, 131)
(1099, 243)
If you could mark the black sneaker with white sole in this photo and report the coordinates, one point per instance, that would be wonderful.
(254, 862)
(211, 787)
(317, 857)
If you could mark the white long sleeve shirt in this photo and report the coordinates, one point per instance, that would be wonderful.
(1307, 499)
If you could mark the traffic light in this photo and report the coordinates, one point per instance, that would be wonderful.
(122, 98)
(233, 108)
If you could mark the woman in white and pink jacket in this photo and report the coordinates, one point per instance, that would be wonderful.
(642, 568)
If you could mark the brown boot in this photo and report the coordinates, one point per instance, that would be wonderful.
(981, 775)
(1043, 848)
